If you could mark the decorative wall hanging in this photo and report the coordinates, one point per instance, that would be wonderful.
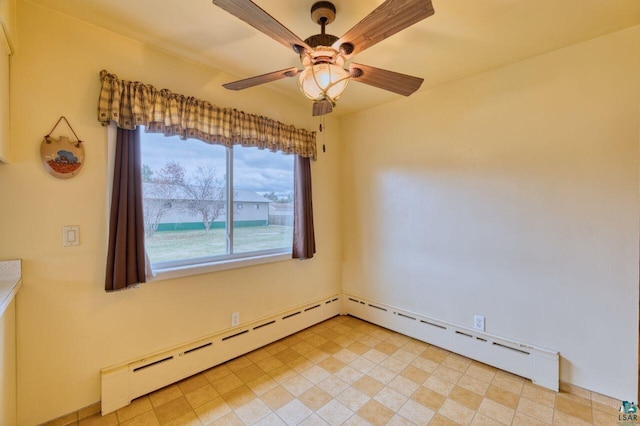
(62, 157)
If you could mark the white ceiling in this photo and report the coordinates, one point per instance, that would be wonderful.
(463, 38)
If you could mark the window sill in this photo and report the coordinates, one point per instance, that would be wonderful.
(204, 268)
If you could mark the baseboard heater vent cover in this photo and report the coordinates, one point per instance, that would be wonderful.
(542, 366)
(120, 384)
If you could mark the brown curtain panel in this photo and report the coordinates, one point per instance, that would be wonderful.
(304, 240)
(126, 256)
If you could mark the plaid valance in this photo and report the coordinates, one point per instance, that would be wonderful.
(131, 103)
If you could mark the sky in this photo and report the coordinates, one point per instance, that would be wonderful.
(257, 170)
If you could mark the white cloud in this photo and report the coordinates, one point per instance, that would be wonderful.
(254, 169)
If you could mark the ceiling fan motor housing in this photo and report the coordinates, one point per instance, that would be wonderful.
(322, 13)
(321, 40)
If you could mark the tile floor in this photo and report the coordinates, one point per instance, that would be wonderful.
(345, 371)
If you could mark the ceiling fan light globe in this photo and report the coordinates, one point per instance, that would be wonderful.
(323, 81)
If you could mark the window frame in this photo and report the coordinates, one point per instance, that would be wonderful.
(207, 264)
(179, 271)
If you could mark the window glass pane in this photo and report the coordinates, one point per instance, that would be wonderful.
(184, 198)
(187, 210)
(263, 198)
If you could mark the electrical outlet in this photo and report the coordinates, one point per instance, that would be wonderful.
(235, 319)
(478, 322)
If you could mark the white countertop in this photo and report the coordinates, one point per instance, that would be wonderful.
(10, 281)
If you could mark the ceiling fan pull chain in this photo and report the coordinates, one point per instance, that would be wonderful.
(321, 127)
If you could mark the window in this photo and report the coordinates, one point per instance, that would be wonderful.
(188, 187)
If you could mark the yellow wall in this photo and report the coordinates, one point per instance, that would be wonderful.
(68, 327)
(7, 44)
(512, 194)
(8, 18)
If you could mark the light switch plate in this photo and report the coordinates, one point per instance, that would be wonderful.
(70, 236)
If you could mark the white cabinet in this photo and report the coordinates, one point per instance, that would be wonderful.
(8, 373)
(10, 282)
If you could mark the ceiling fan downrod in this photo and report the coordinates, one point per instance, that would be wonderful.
(322, 13)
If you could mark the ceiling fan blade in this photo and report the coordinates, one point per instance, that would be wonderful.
(383, 79)
(387, 19)
(252, 14)
(261, 79)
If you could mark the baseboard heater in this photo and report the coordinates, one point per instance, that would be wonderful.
(542, 366)
(122, 383)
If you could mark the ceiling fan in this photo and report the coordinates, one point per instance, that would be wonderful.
(323, 77)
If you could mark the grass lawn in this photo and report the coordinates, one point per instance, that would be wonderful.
(179, 245)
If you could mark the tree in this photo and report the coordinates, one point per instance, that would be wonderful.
(171, 173)
(281, 200)
(147, 173)
(159, 193)
(206, 195)
(203, 194)
(287, 199)
(271, 196)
